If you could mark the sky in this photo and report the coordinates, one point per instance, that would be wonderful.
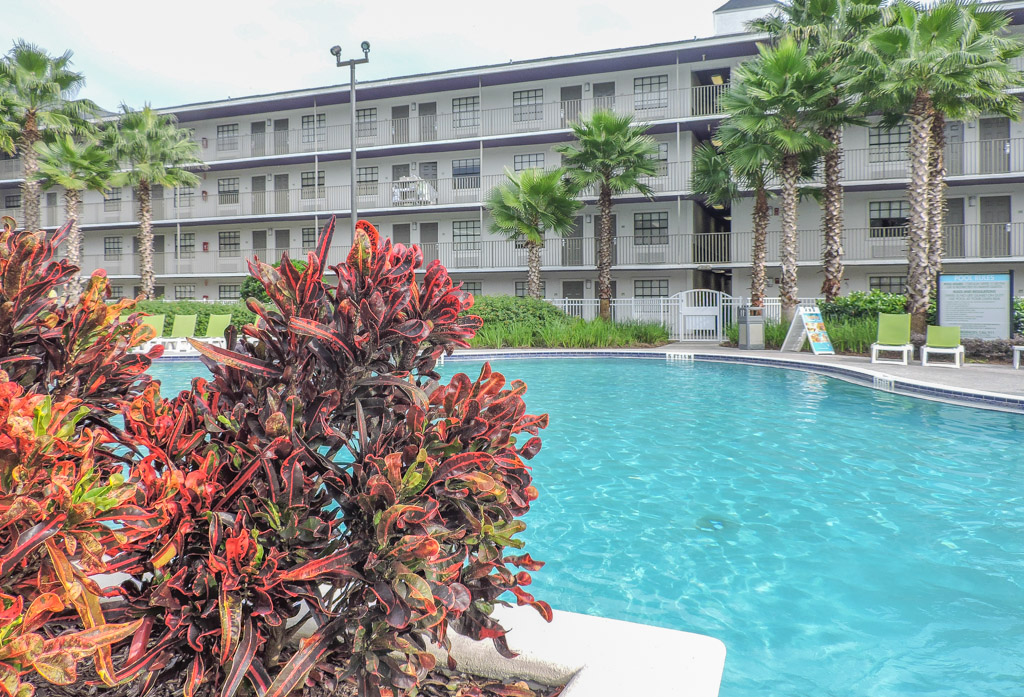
(183, 51)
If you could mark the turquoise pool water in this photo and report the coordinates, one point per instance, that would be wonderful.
(839, 540)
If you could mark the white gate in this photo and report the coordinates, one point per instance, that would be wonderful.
(702, 315)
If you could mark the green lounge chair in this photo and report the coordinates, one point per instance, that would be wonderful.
(157, 322)
(943, 340)
(184, 327)
(894, 337)
(215, 329)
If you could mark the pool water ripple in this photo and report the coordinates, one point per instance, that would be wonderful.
(839, 540)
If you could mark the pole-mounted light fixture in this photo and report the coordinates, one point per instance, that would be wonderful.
(352, 63)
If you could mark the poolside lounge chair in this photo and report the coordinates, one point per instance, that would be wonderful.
(215, 330)
(184, 327)
(943, 340)
(894, 337)
(157, 322)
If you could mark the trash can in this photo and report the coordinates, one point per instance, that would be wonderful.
(751, 324)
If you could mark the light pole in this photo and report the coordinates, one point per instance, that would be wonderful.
(336, 52)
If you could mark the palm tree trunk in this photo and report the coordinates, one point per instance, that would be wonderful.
(533, 250)
(920, 116)
(146, 241)
(72, 202)
(759, 252)
(604, 253)
(936, 198)
(790, 174)
(832, 216)
(30, 163)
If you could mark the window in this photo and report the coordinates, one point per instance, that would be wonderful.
(466, 112)
(521, 288)
(112, 248)
(888, 144)
(307, 184)
(227, 190)
(650, 228)
(466, 173)
(533, 161)
(888, 218)
(888, 284)
(474, 287)
(186, 245)
(229, 292)
(651, 288)
(12, 201)
(116, 292)
(185, 197)
(651, 92)
(527, 105)
(314, 128)
(185, 292)
(366, 180)
(229, 244)
(466, 235)
(112, 199)
(227, 136)
(158, 291)
(661, 160)
(366, 122)
(308, 239)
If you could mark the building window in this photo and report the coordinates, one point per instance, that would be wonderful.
(227, 136)
(184, 197)
(116, 292)
(314, 128)
(366, 122)
(522, 287)
(229, 244)
(158, 292)
(527, 105)
(466, 235)
(888, 144)
(466, 112)
(308, 239)
(888, 284)
(227, 190)
(888, 218)
(651, 92)
(650, 228)
(533, 161)
(112, 248)
(112, 199)
(307, 184)
(229, 292)
(185, 292)
(661, 160)
(366, 180)
(466, 173)
(186, 245)
(474, 287)
(12, 201)
(651, 288)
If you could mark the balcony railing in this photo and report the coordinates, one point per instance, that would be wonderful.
(11, 169)
(404, 193)
(425, 128)
(973, 158)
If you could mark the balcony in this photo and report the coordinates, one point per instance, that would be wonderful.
(407, 193)
(973, 158)
(690, 102)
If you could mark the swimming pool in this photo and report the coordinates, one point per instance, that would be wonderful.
(839, 540)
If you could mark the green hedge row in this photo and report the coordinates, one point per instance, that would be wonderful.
(860, 305)
(570, 333)
(240, 314)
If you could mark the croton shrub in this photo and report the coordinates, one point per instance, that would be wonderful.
(322, 509)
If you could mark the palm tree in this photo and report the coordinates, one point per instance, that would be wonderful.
(783, 99)
(528, 204)
(924, 64)
(152, 151)
(39, 94)
(720, 172)
(614, 154)
(833, 29)
(76, 167)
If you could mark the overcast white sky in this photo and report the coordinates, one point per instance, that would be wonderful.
(181, 51)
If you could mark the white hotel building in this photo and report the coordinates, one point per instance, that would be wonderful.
(431, 146)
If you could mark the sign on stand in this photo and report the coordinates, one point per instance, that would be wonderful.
(980, 304)
(808, 324)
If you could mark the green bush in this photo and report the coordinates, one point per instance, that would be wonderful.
(240, 314)
(567, 332)
(848, 336)
(251, 288)
(859, 305)
(1018, 316)
(508, 309)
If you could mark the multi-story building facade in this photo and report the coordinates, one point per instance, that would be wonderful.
(430, 147)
